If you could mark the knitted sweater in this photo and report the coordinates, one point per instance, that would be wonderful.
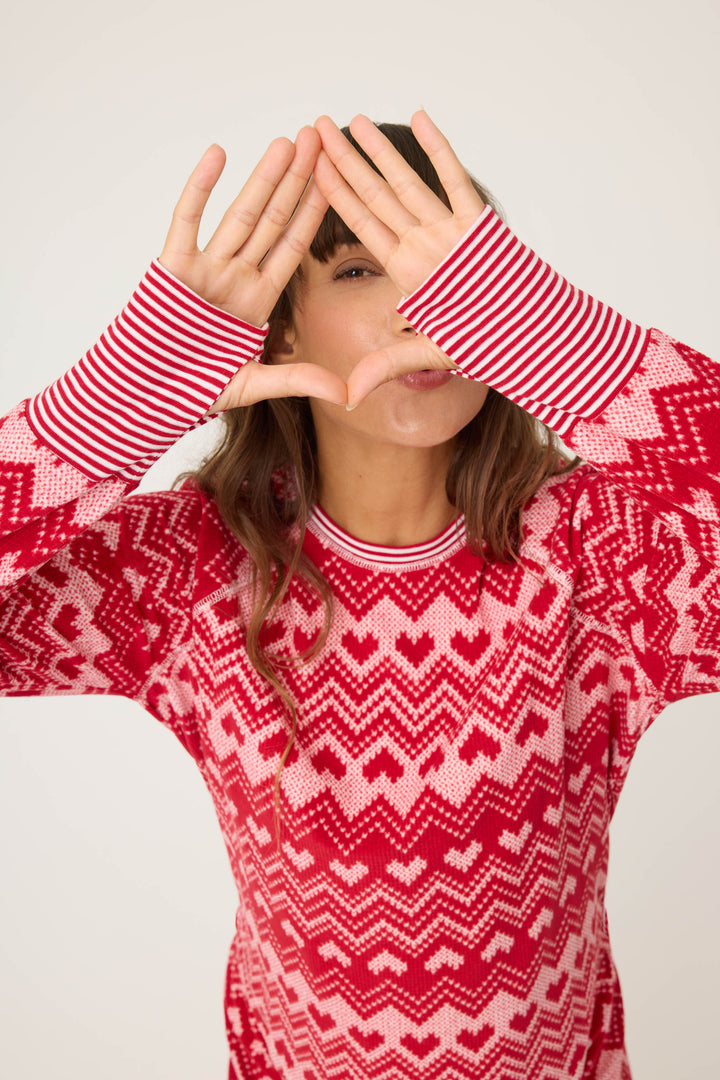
(436, 906)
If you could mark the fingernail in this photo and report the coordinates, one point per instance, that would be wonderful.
(350, 408)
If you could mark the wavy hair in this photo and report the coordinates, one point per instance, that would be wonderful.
(263, 474)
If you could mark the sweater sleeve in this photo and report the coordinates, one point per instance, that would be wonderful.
(639, 406)
(72, 556)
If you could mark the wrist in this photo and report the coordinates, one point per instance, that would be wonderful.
(152, 375)
(509, 320)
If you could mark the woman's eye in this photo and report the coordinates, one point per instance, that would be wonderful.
(352, 273)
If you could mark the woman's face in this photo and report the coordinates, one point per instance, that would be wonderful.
(344, 310)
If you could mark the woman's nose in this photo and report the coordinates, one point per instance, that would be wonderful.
(400, 323)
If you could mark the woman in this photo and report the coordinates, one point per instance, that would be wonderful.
(415, 715)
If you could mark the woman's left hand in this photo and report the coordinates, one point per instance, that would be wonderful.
(400, 220)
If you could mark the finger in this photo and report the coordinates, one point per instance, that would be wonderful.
(295, 240)
(414, 354)
(243, 214)
(464, 200)
(371, 232)
(284, 201)
(183, 232)
(260, 382)
(372, 190)
(415, 195)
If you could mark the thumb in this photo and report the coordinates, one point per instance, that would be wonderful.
(418, 353)
(255, 382)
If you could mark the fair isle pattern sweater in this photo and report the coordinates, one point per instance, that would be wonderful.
(436, 906)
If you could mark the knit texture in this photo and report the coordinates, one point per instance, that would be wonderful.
(435, 907)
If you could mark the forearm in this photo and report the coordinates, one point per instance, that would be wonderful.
(638, 405)
(72, 451)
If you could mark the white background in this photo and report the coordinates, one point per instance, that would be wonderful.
(596, 126)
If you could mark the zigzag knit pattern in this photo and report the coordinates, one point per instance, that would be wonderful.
(435, 905)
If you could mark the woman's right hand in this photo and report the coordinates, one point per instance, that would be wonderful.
(251, 256)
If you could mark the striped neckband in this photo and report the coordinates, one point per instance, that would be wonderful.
(388, 556)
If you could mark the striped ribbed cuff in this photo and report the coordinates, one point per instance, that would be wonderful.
(509, 320)
(151, 377)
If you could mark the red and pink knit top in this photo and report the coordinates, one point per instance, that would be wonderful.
(436, 906)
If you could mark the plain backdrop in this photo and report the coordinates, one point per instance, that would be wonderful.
(596, 126)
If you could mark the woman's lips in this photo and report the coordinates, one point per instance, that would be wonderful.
(425, 380)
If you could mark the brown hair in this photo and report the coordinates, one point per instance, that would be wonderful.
(263, 474)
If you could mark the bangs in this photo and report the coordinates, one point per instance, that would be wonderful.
(333, 231)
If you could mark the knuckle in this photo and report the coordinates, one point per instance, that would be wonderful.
(404, 185)
(184, 216)
(298, 172)
(244, 215)
(370, 192)
(276, 216)
(343, 151)
(294, 242)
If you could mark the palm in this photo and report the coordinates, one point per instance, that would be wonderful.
(262, 235)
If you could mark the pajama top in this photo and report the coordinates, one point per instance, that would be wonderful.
(435, 908)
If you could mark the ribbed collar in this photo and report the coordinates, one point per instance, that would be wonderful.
(381, 555)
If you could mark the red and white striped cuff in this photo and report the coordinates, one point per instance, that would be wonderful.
(509, 320)
(151, 377)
